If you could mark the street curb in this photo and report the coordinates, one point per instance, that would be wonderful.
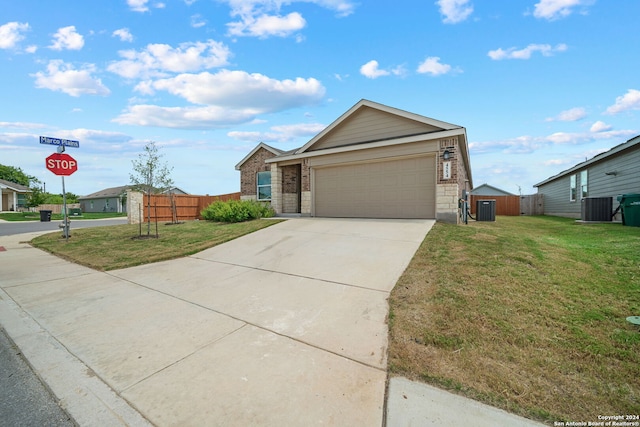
(81, 393)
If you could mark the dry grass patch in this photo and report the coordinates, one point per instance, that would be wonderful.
(525, 313)
(109, 248)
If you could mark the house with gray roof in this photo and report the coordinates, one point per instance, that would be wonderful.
(112, 199)
(608, 174)
(13, 197)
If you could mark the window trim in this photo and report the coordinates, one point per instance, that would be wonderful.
(573, 187)
(584, 183)
(260, 186)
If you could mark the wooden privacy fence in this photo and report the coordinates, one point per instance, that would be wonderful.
(512, 205)
(188, 207)
(505, 205)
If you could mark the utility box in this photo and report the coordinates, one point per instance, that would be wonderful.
(596, 208)
(485, 210)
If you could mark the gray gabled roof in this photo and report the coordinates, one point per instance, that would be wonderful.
(600, 157)
(14, 186)
(107, 192)
(259, 146)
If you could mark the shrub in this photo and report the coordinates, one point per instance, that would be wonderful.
(237, 211)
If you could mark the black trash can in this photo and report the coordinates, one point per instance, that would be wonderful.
(45, 216)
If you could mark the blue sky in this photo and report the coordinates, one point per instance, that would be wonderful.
(540, 85)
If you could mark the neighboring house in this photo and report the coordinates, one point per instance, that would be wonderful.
(174, 190)
(489, 190)
(13, 196)
(374, 161)
(112, 199)
(608, 174)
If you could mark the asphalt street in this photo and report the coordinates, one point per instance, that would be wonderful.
(24, 401)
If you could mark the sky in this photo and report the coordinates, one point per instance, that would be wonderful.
(539, 85)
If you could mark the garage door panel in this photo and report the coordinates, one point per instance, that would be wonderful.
(399, 188)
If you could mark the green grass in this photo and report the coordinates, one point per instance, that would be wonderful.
(113, 247)
(35, 216)
(525, 313)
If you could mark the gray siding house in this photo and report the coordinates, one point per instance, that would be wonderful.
(608, 174)
(112, 199)
(489, 190)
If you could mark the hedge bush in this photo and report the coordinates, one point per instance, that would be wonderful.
(237, 211)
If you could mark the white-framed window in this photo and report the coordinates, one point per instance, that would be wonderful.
(263, 180)
(573, 188)
(584, 178)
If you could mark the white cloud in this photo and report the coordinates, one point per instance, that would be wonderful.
(209, 117)
(231, 97)
(11, 34)
(239, 89)
(433, 66)
(138, 5)
(628, 101)
(556, 9)
(157, 59)
(198, 21)
(67, 38)
(371, 70)
(514, 53)
(264, 26)
(454, 11)
(528, 144)
(63, 77)
(123, 34)
(600, 126)
(262, 18)
(284, 133)
(571, 115)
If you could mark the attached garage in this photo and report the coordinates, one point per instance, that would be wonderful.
(397, 188)
(374, 161)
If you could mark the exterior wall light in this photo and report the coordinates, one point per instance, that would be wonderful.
(446, 155)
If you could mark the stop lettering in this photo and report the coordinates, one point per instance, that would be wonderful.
(61, 164)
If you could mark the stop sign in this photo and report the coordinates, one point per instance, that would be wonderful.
(61, 164)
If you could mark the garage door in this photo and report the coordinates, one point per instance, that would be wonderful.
(400, 188)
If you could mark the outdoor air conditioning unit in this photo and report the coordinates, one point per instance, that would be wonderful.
(596, 208)
(485, 210)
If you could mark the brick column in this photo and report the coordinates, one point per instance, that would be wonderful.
(276, 188)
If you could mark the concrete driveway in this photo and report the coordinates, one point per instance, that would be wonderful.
(285, 326)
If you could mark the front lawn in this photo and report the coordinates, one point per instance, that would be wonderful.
(525, 313)
(113, 247)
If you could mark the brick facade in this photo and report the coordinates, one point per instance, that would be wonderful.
(248, 185)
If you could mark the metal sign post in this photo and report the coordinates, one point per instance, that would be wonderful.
(63, 165)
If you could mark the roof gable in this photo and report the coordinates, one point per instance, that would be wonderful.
(14, 186)
(107, 192)
(368, 121)
(490, 190)
(269, 148)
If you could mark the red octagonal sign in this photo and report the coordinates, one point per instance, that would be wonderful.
(61, 164)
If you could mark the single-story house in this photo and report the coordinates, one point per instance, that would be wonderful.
(112, 199)
(608, 174)
(489, 190)
(374, 161)
(13, 196)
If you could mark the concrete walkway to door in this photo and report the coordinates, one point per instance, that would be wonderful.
(285, 326)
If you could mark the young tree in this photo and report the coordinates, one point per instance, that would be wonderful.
(150, 175)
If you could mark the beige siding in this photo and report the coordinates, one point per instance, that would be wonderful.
(398, 188)
(401, 150)
(368, 124)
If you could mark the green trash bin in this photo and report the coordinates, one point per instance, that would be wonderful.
(630, 205)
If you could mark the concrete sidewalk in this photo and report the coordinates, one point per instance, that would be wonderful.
(285, 326)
